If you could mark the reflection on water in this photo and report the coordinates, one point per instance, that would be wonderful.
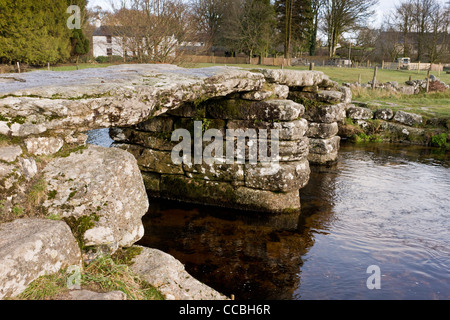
(382, 205)
(99, 137)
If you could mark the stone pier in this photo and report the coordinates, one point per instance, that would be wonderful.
(303, 106)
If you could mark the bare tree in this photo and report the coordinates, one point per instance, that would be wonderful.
(437, 45)
(151, 30)
(247, 26)
(208, 16)
(422, 15)
(403, 20)
(316, 7)
(342, 16)
(423, 25)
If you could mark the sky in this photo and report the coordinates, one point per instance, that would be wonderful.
(383, 8)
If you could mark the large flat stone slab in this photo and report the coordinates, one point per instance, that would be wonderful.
(121, 95)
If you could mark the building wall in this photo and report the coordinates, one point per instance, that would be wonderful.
(101, 46)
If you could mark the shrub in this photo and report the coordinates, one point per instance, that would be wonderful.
(102, 59)
(439, 140)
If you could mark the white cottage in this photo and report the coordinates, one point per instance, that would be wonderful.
(107, 41)
(120, 41)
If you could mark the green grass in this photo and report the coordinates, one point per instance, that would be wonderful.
(433, 104)
(104, 274)
(343, 74)
(74, 67)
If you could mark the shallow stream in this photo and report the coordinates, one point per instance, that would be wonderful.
(380, 204)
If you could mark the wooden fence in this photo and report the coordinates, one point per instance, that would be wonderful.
(237, 60)
(412, 66)
(318, 61)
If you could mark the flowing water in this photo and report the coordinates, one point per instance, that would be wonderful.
(380, 204)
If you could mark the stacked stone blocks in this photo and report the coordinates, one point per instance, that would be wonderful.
(305, 108)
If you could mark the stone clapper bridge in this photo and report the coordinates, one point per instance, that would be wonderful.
(144, 104)
(44, 117)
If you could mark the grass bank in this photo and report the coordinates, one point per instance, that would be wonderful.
(433, 104)
(72, 67)
(343, 74)
(104, 274)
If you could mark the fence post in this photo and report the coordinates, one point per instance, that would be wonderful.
(418, 67)
(428, 79)
(18, 66)
(439, 69)
(359, 78)
(311, 66)
(382, 64)
(374, 80)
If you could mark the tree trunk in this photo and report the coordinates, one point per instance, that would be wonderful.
(288, 29)
(313, 44)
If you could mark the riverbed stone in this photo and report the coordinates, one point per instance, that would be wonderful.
(30, 248)
(359, 113)
(384, 114)
(169, 276)
(408, 118)
(396, 132)
(103, 185)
